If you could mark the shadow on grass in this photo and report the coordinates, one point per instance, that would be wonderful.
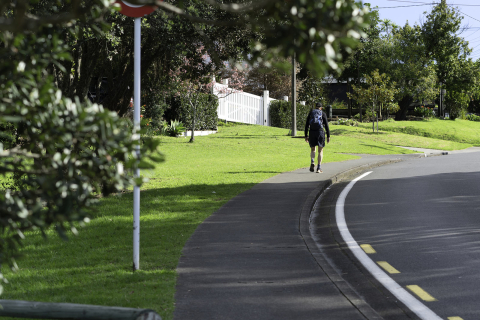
(371, 146)
(338, 132)
(95, 267)
(243, 136)
(240, 172)
(375, 133)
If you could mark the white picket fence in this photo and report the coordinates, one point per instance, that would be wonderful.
(241, 106)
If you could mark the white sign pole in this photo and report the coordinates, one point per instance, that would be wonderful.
(136, 123)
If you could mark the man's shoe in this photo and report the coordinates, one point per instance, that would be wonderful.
(319, 170)
(312, 167)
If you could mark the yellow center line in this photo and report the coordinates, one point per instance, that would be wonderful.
(422, 294)
(454, 318)
(385, 265)
(368, 248)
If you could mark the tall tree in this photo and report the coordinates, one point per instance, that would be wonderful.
(165, 39)
(378, 91)
(313, 89)
(442, 42)
(450, 52)
(411, 68)
(316, 31)
(368, 56)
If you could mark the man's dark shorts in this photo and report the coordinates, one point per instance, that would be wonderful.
(316, 138)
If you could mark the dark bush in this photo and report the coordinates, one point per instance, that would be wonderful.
(155, 106)
(206, 118)
(7, 135)
(281, 114)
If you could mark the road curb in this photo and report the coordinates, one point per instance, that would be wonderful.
(304, 227)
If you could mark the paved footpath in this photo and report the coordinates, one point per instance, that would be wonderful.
(254, 258)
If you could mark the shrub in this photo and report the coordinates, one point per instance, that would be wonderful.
(175, 128)
(367, 117)
(154, 106)
(206, 118)
(7, 135)
(424, 112)
(281, 114)
(339, 105)
(472, 117)
(456, 104)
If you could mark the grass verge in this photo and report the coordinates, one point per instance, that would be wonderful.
(462, 131)
(95, 266)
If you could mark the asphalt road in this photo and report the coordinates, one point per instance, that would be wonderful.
(422, 219)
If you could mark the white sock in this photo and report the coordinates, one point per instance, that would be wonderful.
(312, 155)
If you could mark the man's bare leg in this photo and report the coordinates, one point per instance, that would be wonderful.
(320, 158)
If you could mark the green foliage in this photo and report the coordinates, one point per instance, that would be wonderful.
(204, 114)
(175, 128)
(66, 152)
(424, 112)
(472, 117)
(410, 67)
(399, 52)
(313, 91)
(281, 114)
(377, 92)
(456, 104)
(442, 41)
(444, 45)
(7, 134)
(336, 104)
(154, 107)
(316, 31)
(268, 76)
(369, 115)
(367, 56)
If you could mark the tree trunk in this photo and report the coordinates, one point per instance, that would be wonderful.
(194, 107)
(349, 100)
(373, 120)
(404, 104)
(192, 136)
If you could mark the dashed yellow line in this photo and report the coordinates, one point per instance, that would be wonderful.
(422, 294)
(387, 266)
(454, 318)
(368, 248)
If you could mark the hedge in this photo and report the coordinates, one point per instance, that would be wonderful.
(281, 114)
(207, 116)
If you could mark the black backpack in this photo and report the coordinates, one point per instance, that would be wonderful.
(316, 122)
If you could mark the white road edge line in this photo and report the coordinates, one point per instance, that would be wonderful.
(403, 295)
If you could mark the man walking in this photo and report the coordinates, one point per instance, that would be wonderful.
(318, 124)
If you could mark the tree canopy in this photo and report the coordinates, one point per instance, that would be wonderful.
(59, 151)
(418, 59)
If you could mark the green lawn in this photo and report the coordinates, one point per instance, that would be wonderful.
(196, 179)
(463, 131)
